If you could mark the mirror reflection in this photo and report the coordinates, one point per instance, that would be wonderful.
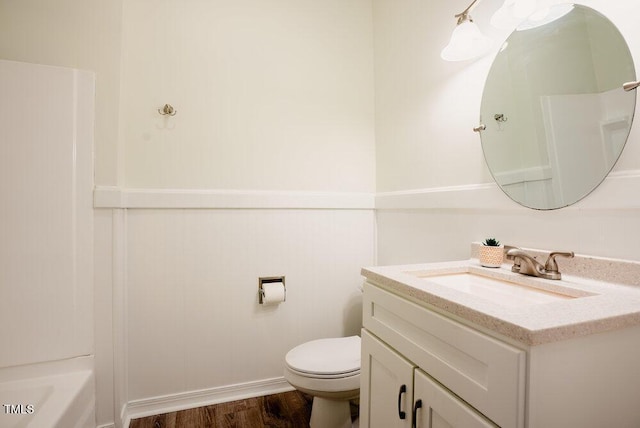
(555, 113)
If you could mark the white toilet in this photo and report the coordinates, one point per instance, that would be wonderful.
(329, 370)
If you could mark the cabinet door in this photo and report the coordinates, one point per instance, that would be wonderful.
(386, 390)
(436, 407)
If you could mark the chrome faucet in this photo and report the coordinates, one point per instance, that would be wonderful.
(527, 265)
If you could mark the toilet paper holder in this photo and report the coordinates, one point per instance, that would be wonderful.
(267, 280)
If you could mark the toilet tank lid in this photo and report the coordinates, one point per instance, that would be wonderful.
(326, 356)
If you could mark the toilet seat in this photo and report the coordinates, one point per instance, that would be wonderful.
(329, 370)
(325, 376)
(333, 358)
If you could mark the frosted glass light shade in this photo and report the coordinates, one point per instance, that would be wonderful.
(467, 42)
(545, 16)
(512, 12)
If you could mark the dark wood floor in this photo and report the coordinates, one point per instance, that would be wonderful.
(286, 410)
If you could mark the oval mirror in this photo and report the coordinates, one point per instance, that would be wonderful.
(555, 114)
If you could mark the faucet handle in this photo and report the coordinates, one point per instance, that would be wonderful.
(551, 265)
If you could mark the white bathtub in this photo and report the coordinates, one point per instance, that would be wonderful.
(44, 398)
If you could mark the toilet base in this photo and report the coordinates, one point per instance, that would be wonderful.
(327, 413)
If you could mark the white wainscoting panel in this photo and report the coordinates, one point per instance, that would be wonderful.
(193, 318)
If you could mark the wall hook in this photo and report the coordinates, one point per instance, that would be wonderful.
(167, 110)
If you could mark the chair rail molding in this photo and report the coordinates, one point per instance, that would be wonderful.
(617, 191)
(116, 197)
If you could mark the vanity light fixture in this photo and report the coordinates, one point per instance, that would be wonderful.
(467, 42)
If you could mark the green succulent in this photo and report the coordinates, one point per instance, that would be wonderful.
(491, 242)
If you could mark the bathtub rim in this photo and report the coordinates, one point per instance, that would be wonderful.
(73, 401)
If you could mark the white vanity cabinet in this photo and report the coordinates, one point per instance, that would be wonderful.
(465, 376)
(453, 369)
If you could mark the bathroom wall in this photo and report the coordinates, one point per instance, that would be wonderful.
(267, 169)
(194, 322)
(270, 95)
(435, 194)
(275, 109)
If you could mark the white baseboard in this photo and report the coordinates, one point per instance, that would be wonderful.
(206, 397)
(106, 426)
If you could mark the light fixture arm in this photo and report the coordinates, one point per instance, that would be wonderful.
(464, 15)
(467, 42)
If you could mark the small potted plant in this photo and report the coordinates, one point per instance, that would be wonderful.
(491, 253)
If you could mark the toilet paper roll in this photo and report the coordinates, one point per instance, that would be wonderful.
(273, 293)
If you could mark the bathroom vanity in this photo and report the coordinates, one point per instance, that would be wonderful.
(457, 345)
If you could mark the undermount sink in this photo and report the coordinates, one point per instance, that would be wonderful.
(502, 291)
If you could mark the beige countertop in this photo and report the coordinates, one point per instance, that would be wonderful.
(596, 306)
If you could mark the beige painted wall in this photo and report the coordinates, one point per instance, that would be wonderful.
(270, 95)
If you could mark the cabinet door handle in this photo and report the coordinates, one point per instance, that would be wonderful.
(414, 416)
(401, 414)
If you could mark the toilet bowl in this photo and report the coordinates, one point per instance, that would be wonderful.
(328, 370)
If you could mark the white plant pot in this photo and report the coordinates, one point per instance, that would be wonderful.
(491, 256)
